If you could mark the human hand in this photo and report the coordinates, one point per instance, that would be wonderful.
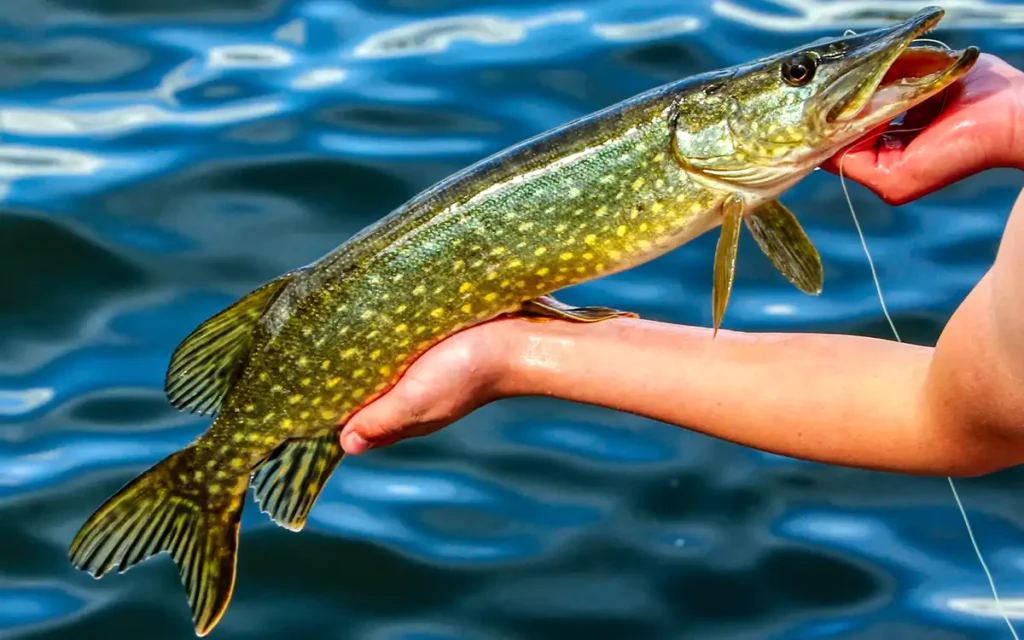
(452, 379)
(976, 124)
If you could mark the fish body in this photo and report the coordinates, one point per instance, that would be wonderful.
(288, 363)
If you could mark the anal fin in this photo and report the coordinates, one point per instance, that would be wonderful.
(207, 362)
(786, 244)
(288, 483)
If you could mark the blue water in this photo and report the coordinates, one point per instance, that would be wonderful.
(159, 158)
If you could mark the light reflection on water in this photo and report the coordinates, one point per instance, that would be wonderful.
(159, 158)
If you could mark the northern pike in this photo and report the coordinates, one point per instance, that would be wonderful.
(285, 365)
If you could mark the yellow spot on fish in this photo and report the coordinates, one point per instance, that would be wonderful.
(490, 296)
(520, 284)
(591, 239)
(264, 376)
(303, 361)
(695, 207)
(505, 283)
(385, 370)
(643, 226)
(306, 381)
(358, 393)
(588, 256)
(515, 263)
(366, 315)
(614, 255)
(437, 313)
(644, 244)
(458, 265)
(402, 328)
(574, 192)
(539, 251)
(602, 210)
(420, 290)
(238, 436)
(566, 256)
(270, 440)
(249, 408)
(543, 271)
(375, 354)
(221, 474)
(621, 231)
(401, 308)
(358, 373)
(325, 365)
(252, 437)
(639, 182)
(276, 388)
(397, 277)
(213, 488)
(295, 399)
(316, 401)
(467, 308)
(420, 329)
(327, 414)
(236, 463)
(333, 382)
(492, 275)
(466, 286)
(659, 156)
(656, 207)
(404, 342)
(348, 353)
(560, 228)
(526, 226)
(659, 183)
(211, 463)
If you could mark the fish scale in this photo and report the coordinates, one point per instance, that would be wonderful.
(286, 364)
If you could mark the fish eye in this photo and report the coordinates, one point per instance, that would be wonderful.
(799, 70)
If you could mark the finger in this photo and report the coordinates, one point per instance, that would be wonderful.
(377, 424)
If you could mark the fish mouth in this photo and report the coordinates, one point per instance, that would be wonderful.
(889, 72)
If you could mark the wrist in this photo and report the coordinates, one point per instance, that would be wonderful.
(501, 351)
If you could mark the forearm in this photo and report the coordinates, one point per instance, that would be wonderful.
(842, 400)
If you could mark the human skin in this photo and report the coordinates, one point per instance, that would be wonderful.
(952, 409)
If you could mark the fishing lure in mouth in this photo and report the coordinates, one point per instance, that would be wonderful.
(283, 366)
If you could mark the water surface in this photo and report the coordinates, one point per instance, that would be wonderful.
(159, 158)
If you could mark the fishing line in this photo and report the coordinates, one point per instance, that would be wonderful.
(892, 325)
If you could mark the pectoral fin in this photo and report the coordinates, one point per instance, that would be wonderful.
(549, 307)
(725, 260)
(786, 244)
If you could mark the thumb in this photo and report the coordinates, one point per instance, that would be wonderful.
(376, 424)
(403, 412)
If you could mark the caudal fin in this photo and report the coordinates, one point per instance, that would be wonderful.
(165, 509)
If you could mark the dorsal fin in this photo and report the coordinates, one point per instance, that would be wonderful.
(207, 362)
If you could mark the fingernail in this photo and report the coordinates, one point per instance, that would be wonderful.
(355, 444)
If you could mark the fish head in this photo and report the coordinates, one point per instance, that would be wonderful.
(765, 125)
